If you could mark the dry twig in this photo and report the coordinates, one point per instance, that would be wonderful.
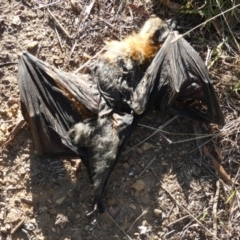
(214, 212)
(158, 130)
(13, 133)
(59, 24)
(87, 62)
(118, 225)
(18, 226)
(142, 214)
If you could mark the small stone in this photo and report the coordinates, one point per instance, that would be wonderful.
(132, 206)
(32, 45)
(111, 202)
(39, 37)
(22, 170)
(126, 166)
(125, 223)
(16, 20)
(2, 215)
(113, 210)
(84, 206)
(164, 163)
(139, 185)
(14, 215)
(53, 211)
(131, 161)
(139, 151)
(87, 227)
(78, 215)
(3, 230)
(157, 212)
(39, 13)
(29, 226)
(60, 200)
(146, 146)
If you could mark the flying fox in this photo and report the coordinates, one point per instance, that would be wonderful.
(92, 116)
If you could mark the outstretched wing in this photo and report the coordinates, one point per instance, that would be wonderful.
(177, 80)
(52, 102)
(68, 114)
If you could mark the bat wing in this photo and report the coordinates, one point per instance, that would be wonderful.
(52, 102)
(74, 115)
(177, 80)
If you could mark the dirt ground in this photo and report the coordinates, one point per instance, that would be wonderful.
(182, 197)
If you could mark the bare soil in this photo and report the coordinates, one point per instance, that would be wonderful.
(43, 198)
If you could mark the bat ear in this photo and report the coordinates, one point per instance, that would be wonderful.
(160, 35)
(172, 24)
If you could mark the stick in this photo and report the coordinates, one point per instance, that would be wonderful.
(214, 212)
(47, 5)
(88, 61)
(13, 133)
(59, 24)
(178, 220)
(142, 214)
(18, 226)
(59, 40)
(118, 226)
(149, 164)
(158, 130)
(85, 16)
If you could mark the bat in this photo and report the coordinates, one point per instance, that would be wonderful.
(92, 116)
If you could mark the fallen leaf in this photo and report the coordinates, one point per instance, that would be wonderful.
(218, 167)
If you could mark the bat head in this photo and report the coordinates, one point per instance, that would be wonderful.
(156, 30)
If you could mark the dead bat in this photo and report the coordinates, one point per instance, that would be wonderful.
(93, 115)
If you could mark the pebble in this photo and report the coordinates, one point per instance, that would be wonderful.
(139, 185)
(22, 170)
(14, 215)
(39, 13)
(139, 151)
(16, 20)
(131, 161)
(125, 223)
(3, 230)
(113, 210)
(126, 166)
(87, 227)
(132, 206)
(111, 202)
(146, 146)
(32, 45)
(157, 212)
(60, 200)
